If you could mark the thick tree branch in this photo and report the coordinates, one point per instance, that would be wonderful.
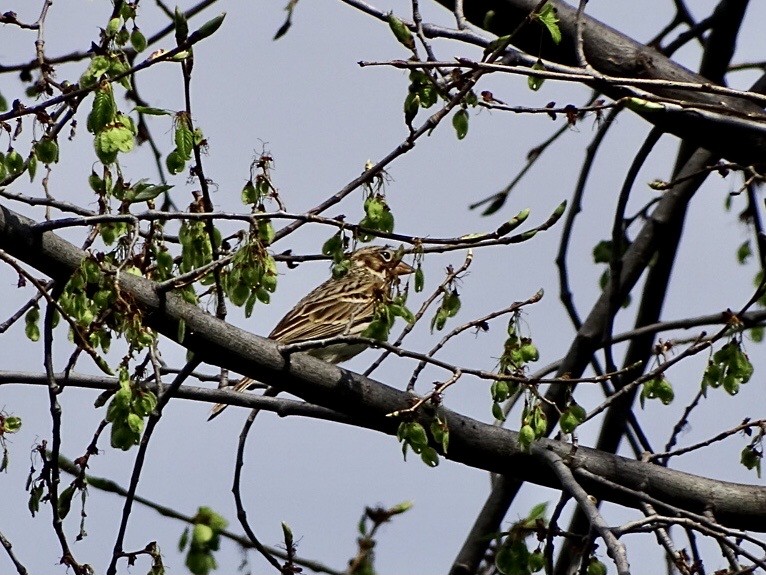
(472, 443)
(615, 54)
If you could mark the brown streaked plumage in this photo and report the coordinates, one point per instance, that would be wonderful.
(339, 306)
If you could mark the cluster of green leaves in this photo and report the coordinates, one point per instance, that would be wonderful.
(412, 435)
(657, 388)
(513, 556)
(254, 194)
(534, 423)
(602, 254)
(422, 92)
(449, 306)
(377, 217)
(185, 139)
(117, 30)
(8, 424)
(518, 351)
(196, 248)
(335, 247)
(252, 275)
(572, 417)
(94, 303)
(127, 411)
(203, 538)
(113, 131)
(728, 368)
(386, 312)
(126, 192)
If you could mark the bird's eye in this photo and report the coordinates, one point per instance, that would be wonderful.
(386, 255)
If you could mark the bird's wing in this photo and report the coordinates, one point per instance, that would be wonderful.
(331, 309)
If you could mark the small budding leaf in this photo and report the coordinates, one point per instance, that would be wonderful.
(536, 82)
(208, 28)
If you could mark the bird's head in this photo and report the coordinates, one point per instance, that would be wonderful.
(383, 261)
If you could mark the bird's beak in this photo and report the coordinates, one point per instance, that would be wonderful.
(402, 269)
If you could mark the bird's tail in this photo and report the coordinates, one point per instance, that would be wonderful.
(243, 384)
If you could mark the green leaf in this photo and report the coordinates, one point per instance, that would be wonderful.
(536, 561)
(47, 150)
(14, 163)
(115, 138)
(535, 82)
(250, 195)
(138, 40)
(32, 165)
(104, 109)
(751, 459)
(113, 27)
(333, 246)
(547, 16)
(596, 567)
(184, 540)
(429, 456)
(143, 192)
(201, 534)
(402, 312)
(419, 279)
(35, 494)
(148, 110)
(208, 28)
(512, 558)
(602, 253)
(175, 162)
(744, 252)
(537, 512)
(401, 32)
(416, 434)
(460, 123)
(411, 107)
(32, 327)
(526, 436)
(11, 424)
(65, 501)
(184, 140)
(181, 26)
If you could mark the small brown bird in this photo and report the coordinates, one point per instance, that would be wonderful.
(340, 306)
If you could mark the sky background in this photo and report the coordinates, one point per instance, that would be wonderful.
(321, 116)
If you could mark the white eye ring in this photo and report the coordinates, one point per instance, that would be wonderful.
(386, 255)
